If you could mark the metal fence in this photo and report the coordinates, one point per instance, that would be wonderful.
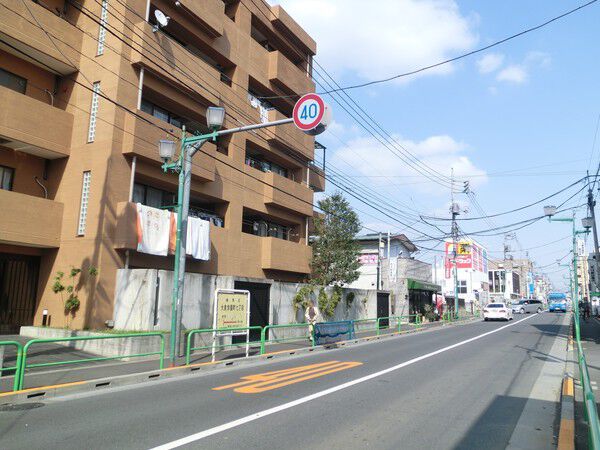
(17, 366)
(24, 365)
(215, 335)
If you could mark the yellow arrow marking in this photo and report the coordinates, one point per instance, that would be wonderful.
(255, 384)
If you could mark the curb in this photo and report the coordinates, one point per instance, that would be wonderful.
(566, 433)
(76, 387)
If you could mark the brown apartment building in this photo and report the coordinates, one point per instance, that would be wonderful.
(88, 88)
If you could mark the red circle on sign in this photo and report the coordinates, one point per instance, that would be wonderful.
(298, 105)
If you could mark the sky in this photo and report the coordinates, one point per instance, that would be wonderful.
(517, 121)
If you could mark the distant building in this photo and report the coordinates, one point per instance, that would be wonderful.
(472, 274)
(395, 272)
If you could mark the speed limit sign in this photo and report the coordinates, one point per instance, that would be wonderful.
(308, 112)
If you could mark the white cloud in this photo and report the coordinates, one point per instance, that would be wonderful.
(513, 74)
(490, 62)
(370, 159)
(378, 39)
(519, 73)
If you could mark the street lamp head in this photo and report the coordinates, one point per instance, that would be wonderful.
(587, 222)
(549, 211)
(215, 115)
(166, 149)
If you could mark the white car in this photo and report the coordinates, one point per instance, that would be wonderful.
(497, 311)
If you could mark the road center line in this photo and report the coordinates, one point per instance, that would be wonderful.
(267, 412)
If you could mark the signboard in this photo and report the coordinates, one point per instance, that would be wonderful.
(329, 332)
(469, 256)
(580, 247)
(232, 309)
(231, 316)
(368, 259)
(308, 112)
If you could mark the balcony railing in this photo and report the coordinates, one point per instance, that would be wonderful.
(45, 37)
(30, 221)
(317, 178)
(289, 136)
(143, 134)
(287, 256)
(32, 126)
(209, 14)
(287, 76)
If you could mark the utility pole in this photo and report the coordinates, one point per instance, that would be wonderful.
(591, 206)
(454, 209)
(379, 262)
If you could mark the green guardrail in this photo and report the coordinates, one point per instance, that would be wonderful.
(361, 322)
(589, 399)
(25, 366)
(215, 332)
(417, 323)
(265, 330)
(17, 366)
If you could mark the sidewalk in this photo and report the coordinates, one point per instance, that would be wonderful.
(46, 376)
(590, 341)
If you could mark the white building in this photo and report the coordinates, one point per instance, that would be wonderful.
(472, 274)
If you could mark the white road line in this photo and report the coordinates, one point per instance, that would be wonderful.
(267, 412)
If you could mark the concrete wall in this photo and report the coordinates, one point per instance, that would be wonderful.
(139, 295)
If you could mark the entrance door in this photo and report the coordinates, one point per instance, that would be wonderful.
(383, 308)
(259, 307)
(18, 291)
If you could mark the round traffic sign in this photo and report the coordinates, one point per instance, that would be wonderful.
(308, 112)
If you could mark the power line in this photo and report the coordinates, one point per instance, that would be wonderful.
(464, 55)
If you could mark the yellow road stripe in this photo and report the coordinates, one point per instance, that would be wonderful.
(568, 387)
(43, 388)
(566, 435)
(254, 384)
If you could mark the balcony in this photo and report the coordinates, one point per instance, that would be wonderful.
(285, 193)
(22, 31)
(316, 179)
(24, 223)
(287, 256)
(170, 62)
(208, 14)
(289, 136)
(287, 76)
(31, 126)
(283, 22)
(142, 136)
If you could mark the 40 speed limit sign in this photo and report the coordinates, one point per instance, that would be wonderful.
(308, 112)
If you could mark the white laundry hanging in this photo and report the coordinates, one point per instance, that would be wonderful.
(152, 230)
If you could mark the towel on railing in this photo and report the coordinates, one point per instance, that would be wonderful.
(153, 226)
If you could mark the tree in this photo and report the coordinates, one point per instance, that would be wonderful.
(335, 250)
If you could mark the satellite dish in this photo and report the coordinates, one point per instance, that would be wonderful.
(161, 20)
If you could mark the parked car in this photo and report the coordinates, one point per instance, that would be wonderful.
(497, 311)
(527, 306)
(558, 305)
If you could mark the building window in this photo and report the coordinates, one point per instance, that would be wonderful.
(462, 286)
(102, 32)
(94, 112)
(12, 81)
(157, 198)
(83, 208)
(169, 117)
(267, 228)
(266, 166)
(6, 178)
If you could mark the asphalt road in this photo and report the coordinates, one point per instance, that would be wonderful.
(479, 385)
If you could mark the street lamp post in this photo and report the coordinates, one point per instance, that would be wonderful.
(549, 212)
(190, 145)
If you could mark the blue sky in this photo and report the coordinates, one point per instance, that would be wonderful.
(517, 121)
